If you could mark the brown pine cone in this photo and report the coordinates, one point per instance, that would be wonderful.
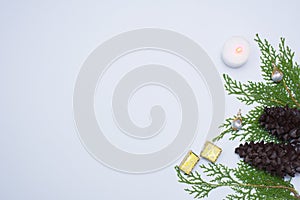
(282, 122)
(277, 159)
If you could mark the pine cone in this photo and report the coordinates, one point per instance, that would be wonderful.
(277, 159)
(282, 122)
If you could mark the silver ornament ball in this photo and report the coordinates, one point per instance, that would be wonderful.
(236, 124)
(277, 76)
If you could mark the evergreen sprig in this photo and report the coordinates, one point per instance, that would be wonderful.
(246, 182)
(251, 130)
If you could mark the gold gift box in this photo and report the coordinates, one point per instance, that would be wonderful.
(211, 152)
(189, 162)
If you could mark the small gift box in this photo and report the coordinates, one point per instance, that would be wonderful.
(211, 152)
(189, 162)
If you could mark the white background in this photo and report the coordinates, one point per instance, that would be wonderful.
(42, 47)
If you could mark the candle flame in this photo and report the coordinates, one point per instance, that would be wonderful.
(239, 50)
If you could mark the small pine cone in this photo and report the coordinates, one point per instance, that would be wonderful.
(276, 159)
(282, 122)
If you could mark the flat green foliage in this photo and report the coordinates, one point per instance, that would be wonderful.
(245, 181)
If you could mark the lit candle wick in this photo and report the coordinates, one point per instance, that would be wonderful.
(239, 50)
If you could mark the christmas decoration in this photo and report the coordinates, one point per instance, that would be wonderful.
(237, 122)
(282, 122)
(211, 152)
(277, 75)
(189, 162)
(264, 94)
(277, 159)
(268, 137)
(235, 52)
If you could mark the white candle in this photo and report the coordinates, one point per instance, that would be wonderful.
(235, 52)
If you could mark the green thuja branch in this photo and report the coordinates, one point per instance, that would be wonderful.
(283, 60)
(266, 93)
(245, 181)
(251, 130)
